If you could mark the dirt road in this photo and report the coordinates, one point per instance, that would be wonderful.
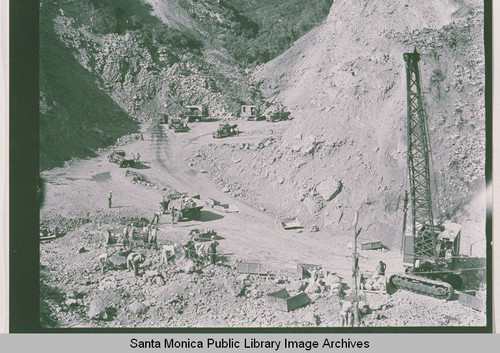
(81, 189)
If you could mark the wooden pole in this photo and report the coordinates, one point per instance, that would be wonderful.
(405, 212)
(355, 270)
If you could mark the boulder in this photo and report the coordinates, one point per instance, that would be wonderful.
(98, 310)
(158, 280)
(118, 261)
(329, 188)
(152, 273)
(138, 308)
(313, 288)
(235, 288)
(71, 302)
(297, 286)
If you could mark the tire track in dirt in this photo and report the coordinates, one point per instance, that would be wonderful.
(249, 234)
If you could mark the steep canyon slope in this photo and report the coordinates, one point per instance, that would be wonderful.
(138, 59)
(345, 84)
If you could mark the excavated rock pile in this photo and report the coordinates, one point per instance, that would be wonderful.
(76, 293)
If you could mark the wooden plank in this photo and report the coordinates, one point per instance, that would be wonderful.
(355, 298)
(374, 245)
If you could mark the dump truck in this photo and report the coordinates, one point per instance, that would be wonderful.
(225, 130)
(182, 206)
(119, 157)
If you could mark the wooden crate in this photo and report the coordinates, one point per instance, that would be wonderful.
(250, 268)
(281, 300)
(303, 270)
(472, 301)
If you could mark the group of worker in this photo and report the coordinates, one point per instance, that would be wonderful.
(136, 157)
(150, 237)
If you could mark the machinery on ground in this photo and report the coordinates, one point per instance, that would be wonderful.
(251, 113)
(279, 115)
(202, 235)
(431, 251)
(182, 206)
(225, 130)
(119, 157)
(178, 124)
(196, 112)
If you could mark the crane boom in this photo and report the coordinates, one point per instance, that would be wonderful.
(418, 164)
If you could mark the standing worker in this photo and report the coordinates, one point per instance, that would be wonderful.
(212, 250)
(110, 196)
(146, 233)
(381, 268)
(127, 234)
(346, 314)
(164, 204)
(138, 157)
(153, 237)
(156, 218)
(174, 211)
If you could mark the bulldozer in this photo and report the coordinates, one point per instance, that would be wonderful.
(119, 157)
(182, 206)
(177, 124)
(225, 130)
(279, 115)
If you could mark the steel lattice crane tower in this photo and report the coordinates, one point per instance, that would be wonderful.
(431, 251)
(418, 163)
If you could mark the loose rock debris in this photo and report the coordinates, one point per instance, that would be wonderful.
(291, 223)
(176, 285)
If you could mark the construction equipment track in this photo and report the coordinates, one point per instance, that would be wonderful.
(422, 285)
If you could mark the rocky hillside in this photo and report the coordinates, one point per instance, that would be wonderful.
(343, 81)
(139, 65)
(76, 117)
(138, 59)
(346, 148)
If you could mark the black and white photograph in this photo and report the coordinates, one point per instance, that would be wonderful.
(262, 164)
